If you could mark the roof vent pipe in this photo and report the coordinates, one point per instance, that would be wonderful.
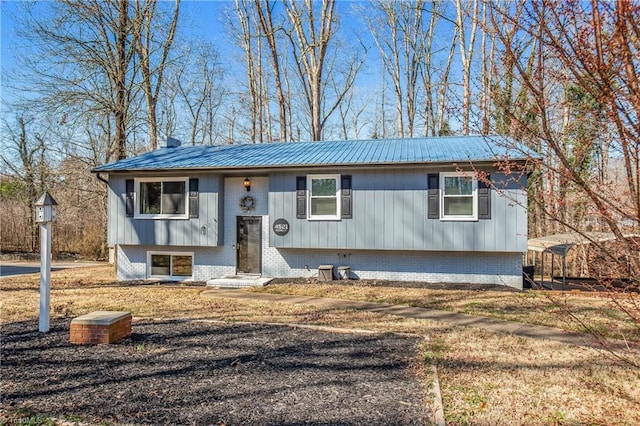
(169, 142)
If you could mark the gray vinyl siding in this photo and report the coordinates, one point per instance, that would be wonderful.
(173, 232)
(390, 213)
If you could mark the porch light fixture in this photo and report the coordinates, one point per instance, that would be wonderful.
(247, 184)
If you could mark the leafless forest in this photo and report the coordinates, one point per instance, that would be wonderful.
(100, 81)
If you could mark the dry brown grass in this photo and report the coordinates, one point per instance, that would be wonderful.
(78, 291)
(598, 313)
(486, 378)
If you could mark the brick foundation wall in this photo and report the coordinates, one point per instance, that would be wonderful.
(395, 265)
(100, 327)
(423, 266)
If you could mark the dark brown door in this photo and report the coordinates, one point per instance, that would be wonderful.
(249, 245)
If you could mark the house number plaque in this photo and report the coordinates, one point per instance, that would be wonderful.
(281, 227)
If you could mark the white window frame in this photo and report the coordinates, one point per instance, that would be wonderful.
(310, 178)
(172, 254)
(138, 215)
(473, 196)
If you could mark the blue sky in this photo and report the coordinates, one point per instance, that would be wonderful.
(7, 31)
(205, 22)
(201, 20)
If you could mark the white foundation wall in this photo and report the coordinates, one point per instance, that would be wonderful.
(432, 267)
(132, 261)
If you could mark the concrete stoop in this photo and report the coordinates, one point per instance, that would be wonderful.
(239, 281)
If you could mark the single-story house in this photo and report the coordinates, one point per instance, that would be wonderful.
(413, 209)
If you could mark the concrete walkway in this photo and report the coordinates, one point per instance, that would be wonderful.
(452, 318)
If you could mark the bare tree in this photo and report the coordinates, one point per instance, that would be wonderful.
(402, 41)
(103, 59)
(24, 156)
(269, 29)
(194, 87)
(579, 94)
(95, 50)
(246, 38)
(417, 62)
(292, 63)
(90, 60)
(466, 53)
(436, 81)
(353, 115)
(153, 55)
(314, 60)
(427, 72)
(488, 68)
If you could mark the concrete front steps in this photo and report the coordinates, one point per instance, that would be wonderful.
(239, 281)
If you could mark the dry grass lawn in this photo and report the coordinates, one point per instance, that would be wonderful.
(577, 312)
(486, 378)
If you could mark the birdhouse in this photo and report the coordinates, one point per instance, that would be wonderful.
(46, 209)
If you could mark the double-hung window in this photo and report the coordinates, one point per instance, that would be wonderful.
(165, 197)
(324, 196)
(459, 196)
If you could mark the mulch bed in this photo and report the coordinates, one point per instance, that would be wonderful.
(189, 372)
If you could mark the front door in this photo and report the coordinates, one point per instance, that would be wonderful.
(249, 245)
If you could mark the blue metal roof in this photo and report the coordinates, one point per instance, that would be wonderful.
(330, 153)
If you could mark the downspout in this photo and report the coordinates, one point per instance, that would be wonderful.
(100, 178)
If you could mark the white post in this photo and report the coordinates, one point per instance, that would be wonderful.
(45, 275)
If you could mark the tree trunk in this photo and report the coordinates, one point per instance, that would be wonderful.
(121, 88)
(268, 28)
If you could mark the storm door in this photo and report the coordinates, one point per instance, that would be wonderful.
(249, 245)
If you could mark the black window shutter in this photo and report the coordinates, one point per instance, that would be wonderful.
(433, 196)
(484, 199)
(345, 195)
(301, 197)
(193, 198)
(129, 198)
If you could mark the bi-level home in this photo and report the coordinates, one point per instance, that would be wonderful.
(447, 209)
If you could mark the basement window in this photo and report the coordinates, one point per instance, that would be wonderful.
(172, 266)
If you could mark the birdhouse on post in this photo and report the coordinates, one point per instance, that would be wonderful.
(45, 214)
(46, 209)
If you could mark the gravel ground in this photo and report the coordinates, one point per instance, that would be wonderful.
(186, 372)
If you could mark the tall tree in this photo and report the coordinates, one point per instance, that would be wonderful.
(293, 62)
(99, 57)
(246, 36)
(153, 55)
(402, 41)
(194, 95)
(89, 66)
(580, 95)
(464, 16)
(311, 37)
(416, 62)
(25, 157)
(269, 28)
